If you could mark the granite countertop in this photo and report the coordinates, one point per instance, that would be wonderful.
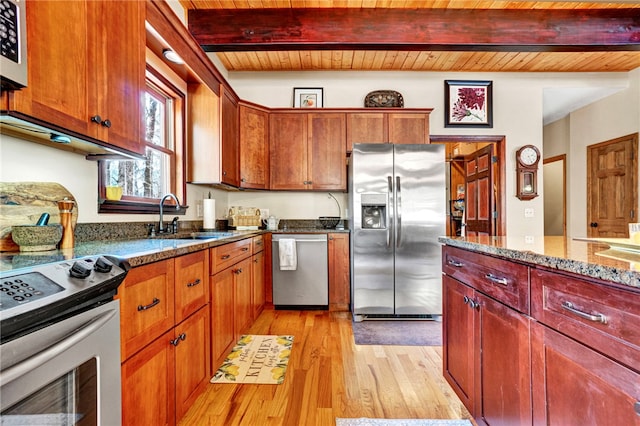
(587, 258)
(136, 251)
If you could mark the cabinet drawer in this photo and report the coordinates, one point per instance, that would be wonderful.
(191, 286)
(224, 256)
(505, 281)
(597, 315)
(257, 244)
(146, 305)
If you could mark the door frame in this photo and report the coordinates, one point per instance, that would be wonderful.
(563, 158)
(499, 142)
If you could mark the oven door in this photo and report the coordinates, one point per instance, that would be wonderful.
(67, 373)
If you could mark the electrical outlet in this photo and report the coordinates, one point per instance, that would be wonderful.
(528, 212)
(528, 239)
(199, 209)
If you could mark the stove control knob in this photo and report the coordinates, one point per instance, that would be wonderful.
(103, 265)
(80, 270)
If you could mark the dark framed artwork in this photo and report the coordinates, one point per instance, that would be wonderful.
(468, 103)
(307, 97)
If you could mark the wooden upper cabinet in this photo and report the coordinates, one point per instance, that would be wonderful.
(86, 59)
(327, 153)
(402, 127)
(254, 147)
(203, 134)
(308, 151)
(288, 150)
(230, 139)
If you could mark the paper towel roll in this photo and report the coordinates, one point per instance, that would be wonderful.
(209, 213)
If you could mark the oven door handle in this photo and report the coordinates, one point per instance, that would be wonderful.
(25, 366)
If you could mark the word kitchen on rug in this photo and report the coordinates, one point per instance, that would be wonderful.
(256, 359)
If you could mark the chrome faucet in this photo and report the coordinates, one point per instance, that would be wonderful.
(161, 228)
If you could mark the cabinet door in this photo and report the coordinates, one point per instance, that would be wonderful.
(117, 66)
(574, 385)
(327, 152)
(339, 272)
(58, 66)
(257, 284)
(408, 128)
(192, 359)
(148, 385)
(288, 151)
(230, 140)
(203, 134)
(254, 148)
(222, 333)
(459, 340)
(366, 127)
(191, 289)
(146, 305)
(505, 368)
(243, 313)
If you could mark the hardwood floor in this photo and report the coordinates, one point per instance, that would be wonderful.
(329, 376)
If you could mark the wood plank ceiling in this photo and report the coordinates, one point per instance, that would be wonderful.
(523, 59)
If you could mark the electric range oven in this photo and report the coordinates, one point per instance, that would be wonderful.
(60, 343)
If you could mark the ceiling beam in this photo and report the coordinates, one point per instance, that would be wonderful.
(234, 30)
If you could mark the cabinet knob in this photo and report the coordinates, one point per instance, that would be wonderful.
(96, 119)
(106, 123)
(593, 224)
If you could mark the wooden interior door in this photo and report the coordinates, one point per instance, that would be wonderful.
(612, 176)
(479, 193)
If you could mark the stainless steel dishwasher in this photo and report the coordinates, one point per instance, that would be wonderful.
(304, 285)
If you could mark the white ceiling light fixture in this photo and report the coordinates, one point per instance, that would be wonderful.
(172, 56)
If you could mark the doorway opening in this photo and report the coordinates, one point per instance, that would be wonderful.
(555, 198)
(476, 190)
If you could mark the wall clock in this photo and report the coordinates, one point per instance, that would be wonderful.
(527, 160)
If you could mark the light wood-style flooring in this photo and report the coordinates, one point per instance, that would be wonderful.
(329, 376)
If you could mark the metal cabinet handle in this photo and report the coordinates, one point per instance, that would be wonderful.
(455, 263)
(178, 339)
(194, 283)
(245, 249)
(150, 305)
(636, 407)
(472, 303)
(591, 317)
(237, 271)
(497, 280)
(225, 257)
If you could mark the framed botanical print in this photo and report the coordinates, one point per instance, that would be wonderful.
(468, 103)
(307, 97)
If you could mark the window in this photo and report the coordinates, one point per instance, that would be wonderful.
(143, 183)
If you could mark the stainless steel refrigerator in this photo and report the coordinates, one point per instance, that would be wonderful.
(397, 207)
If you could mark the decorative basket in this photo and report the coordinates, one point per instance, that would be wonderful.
(329, 222)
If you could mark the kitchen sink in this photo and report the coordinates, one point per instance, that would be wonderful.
(204, 235)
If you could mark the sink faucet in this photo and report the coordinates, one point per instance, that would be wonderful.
(161, 228)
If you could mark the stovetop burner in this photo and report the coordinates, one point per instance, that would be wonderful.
(34, 297)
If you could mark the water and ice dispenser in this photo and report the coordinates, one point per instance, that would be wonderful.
(374, 211)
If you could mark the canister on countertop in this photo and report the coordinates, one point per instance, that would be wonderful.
(66, 208)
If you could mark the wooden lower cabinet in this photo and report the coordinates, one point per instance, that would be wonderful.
(486, 355)
(243, 310)
(575, 385)
(165, 339)
(222, 319)
(192, 366)
(339, 271)
(148, 385)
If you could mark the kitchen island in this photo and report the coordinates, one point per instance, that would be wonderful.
(543, 332)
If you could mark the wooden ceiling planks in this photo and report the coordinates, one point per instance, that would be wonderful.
(423, 60)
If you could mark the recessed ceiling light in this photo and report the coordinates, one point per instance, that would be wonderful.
(172, 56)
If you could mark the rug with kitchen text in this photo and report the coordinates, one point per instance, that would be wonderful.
(256, 359)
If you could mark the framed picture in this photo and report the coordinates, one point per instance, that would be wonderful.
(307, 97)
(468, 103)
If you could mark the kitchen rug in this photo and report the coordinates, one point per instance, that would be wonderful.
(256, 359)
(401, 422)
(398, 332)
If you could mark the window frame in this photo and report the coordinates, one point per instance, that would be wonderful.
(158, 74)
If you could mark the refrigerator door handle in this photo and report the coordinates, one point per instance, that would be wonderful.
(390, 182)
(398, 207)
